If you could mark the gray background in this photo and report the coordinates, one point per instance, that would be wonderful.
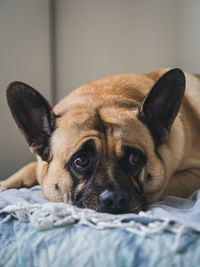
(55, 46)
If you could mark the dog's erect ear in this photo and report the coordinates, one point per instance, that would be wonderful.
(161, 105)
(33, 115)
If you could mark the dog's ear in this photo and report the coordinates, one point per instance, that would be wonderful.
(161, 105)
(33, 115)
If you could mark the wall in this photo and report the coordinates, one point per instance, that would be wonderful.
(60, 44)
(188, 44)
(98, 38)
(25, 56)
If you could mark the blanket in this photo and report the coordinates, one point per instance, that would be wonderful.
(35, 230)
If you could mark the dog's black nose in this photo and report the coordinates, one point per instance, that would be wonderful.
(113, 201)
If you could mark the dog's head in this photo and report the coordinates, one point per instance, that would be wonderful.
(100, 145)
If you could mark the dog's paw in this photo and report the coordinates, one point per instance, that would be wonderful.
(3, 186)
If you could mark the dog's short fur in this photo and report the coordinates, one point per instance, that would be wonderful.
(115, 144)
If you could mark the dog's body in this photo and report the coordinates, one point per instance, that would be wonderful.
(111, 145)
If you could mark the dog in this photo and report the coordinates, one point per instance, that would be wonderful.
(114, 145)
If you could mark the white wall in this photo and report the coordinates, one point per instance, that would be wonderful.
(188, 44)
(25, 56)
(97, 38)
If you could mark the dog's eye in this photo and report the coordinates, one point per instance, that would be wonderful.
(132, 161)
(81, 162)
(134, 158)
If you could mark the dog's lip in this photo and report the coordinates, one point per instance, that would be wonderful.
(128, 210)
(150, 196)
(114, 212)
(138, 203)
(79, 205)
(142, 206)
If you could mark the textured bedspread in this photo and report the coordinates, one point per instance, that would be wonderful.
(35, 232)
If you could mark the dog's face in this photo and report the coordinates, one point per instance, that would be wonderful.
(102, 150)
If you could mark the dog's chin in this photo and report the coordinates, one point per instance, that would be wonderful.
(134, 207)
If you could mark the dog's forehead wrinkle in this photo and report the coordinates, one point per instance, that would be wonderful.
(124, 86)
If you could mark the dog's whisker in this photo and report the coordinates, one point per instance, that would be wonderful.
(65, 198)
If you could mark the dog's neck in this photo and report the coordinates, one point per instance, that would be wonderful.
(181, 151)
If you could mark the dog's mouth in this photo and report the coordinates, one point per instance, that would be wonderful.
(134, 206)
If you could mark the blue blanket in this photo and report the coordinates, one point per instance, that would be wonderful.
(35, 232)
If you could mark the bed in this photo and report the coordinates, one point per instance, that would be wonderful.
(36, 232)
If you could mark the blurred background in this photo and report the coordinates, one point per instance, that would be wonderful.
(56, 45)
